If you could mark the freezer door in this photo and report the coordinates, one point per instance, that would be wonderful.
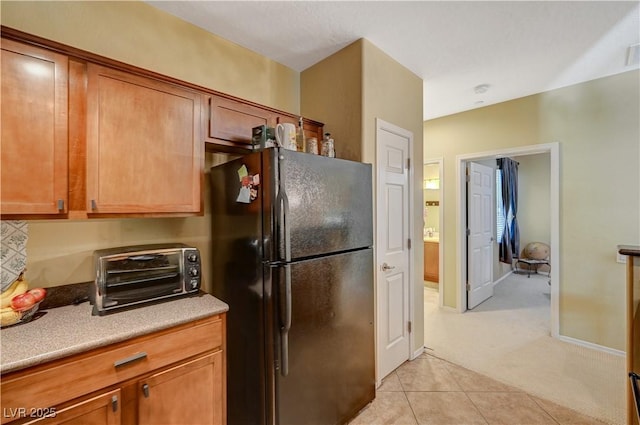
(324, 366)
(323, 205)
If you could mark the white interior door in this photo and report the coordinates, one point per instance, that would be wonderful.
(480, 206)
(392, 243)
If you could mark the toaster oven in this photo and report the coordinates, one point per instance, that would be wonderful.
(132, 275)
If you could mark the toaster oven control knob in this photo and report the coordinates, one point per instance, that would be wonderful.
(193, 257)
(194, 283)
(193, 271)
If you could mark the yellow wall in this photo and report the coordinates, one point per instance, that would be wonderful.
(351, 89)
(139, 34)
(597, 126)
(59, 252)
(332, 93)
(534, 174)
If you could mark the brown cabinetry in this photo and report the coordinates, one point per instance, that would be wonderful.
(103, 409)
(229, 123)
(86, 136)
(171, 376)
(431, 261)
(144, 149)
(34, 130)
(196, 379)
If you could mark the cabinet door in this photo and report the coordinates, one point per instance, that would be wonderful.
(144, 148)
(103, 409)
(34, 130)
(431, 261)
(190, 393)
(230, 122)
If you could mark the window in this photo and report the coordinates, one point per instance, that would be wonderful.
(500, 214)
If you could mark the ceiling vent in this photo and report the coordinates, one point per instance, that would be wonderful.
(633, 55)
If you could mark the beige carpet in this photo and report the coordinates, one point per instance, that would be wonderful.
(508, 338)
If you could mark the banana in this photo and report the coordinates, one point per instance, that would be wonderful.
(16, 288)
(8, 316)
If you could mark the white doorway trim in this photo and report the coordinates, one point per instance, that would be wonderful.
(554, 210)
(440, 163)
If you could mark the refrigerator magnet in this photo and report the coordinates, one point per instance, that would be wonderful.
(244, 196)
(249, 185)
(242, 172)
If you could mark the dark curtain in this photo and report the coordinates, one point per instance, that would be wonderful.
(510, 243)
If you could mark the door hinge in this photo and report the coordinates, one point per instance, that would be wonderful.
(468, 286)
(468, 232)
(409, 243)
(409, 326)
(408, 163)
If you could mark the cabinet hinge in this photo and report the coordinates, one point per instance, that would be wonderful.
(60, 204)
(468, 287)
(409, 326)
(468, 232)
(409, 243)
(408, 163)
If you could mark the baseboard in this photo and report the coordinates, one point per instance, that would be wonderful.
(591, 345)
(417, 353)
(509, 273)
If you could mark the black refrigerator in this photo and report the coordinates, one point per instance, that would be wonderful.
(292, 237)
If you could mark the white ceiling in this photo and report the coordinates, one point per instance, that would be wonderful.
(518, 48)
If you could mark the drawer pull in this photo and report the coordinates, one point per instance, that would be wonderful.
(114, 403)
(145, 390)
(135, 357)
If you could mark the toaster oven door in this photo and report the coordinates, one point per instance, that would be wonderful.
(139, 278)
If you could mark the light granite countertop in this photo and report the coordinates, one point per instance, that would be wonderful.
(68, 330)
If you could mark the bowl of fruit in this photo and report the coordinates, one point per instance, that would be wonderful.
(18, 303)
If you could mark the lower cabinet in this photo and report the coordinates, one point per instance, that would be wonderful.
(174, 376)
(102, 409)
(431, 261)
(192, 385)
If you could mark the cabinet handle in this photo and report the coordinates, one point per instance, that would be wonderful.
(145, 390)
(114, 403)
(60, 205)
(94, 206)
(135, 357)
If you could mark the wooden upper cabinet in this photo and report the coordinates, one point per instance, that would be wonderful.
(229, 122)
(144, 145)
(34, 138)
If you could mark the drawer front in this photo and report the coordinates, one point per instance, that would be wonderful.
(48, 386)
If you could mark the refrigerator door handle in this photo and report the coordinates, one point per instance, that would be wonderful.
(282, 214)
(285, 320)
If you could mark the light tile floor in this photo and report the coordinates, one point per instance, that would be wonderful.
(431, 391)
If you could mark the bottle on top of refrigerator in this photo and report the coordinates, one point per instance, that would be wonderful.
(300, 136)
(328, 148)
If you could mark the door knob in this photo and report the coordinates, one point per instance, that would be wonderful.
(385, 267)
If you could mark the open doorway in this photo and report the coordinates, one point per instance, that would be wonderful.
(433, 227)
(552, 152)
